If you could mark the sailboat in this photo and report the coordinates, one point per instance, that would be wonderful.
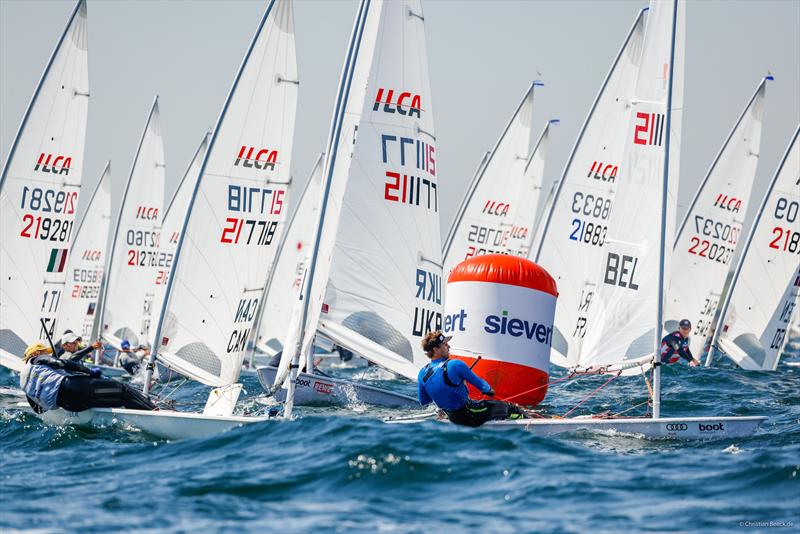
(173, 218)
(170, 231)
(710, 233)
(128, 295)
(765, 289)
(527, 216)
(484, 222)
(573, 231)
(374, 278)
(39, 189)
(227, 242)
(282, 288)
(627, 315)
(86, 264)
(282, 292)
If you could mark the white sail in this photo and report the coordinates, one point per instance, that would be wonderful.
(236, 214)
(628, 301)
(39, 190)
(575, 227)
(86, 264)
(127, 304)
(712, 227)
(287, 277)
(765, 288)
(375, 274)
(484, 222)
(174, 215)
(526, 212)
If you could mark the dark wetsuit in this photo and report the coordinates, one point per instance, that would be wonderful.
(79, 390)
(674, 346)
(442, 382)
(76, 356)
(129, 361)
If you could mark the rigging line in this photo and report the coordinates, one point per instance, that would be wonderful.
(168, 395)
(647, 382)
(590, 395)
(568, 377)
(612, 416)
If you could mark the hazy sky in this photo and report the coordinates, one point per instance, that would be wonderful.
(483, 55)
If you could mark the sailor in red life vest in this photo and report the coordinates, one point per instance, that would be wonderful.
(675, 346)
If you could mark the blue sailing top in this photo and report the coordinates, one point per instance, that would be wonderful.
(434, 387)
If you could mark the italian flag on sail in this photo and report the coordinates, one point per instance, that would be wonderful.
(58, 260)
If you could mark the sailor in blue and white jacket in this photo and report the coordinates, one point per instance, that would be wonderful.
(50, 383)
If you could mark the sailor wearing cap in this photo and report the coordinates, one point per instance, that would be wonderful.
(442, 382)
(675, 346)
(50, 383)
(69, 347)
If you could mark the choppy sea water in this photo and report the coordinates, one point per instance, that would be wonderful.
(344, 470)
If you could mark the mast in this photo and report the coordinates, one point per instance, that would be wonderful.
(663, 236)
(560, 183)
(699, 190)
(165, 302)
(333, 144)
(487, 158)
(102, 300)
(724, 311)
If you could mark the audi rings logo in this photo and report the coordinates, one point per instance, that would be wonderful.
(677, 427)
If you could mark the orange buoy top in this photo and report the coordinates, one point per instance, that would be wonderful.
(504, 269)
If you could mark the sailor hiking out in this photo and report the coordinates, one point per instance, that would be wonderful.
(442, 382)
(50, 383)
(69, 347)
(675, 346)
(130, 358)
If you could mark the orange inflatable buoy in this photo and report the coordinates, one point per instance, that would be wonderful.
(502, 308)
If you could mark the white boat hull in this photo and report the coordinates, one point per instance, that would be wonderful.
(311, 389)
(682, 428)
(9, 361)
(164, 424)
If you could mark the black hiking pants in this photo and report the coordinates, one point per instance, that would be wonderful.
(78, 393)
(475, 413)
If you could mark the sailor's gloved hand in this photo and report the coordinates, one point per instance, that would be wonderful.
(489, 393)
(95, 372)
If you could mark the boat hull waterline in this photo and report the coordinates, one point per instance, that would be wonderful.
(313, 389)
(680, 428)
(166, 424)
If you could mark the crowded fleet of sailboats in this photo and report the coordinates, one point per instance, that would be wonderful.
(221, 278)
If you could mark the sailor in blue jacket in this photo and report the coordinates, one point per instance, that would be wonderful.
(442, 382)
(675, 346)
